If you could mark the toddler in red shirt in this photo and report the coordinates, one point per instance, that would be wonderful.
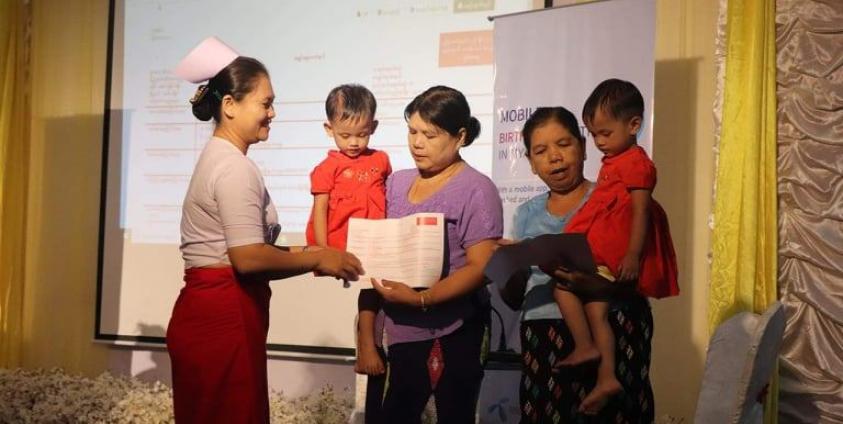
(626, 229)
(351, 182)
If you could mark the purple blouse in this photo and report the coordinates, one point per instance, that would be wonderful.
(473, 213)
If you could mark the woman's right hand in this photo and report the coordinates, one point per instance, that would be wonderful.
(591, 284)
(337, 263)
(575, 277)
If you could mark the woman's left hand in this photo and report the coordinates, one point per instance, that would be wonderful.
(395, 292)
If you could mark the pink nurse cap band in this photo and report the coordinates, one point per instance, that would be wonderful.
(205, 60)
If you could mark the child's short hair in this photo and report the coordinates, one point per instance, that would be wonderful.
(620, 99)
(350, 101)
(544, 115)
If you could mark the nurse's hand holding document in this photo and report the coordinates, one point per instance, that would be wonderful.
(408, 249)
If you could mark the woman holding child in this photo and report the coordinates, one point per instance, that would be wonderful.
(437, 337)
(556, 151)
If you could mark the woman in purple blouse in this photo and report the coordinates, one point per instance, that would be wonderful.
(438, 338)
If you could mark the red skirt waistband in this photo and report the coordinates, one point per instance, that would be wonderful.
(216, 277)
(204, 274)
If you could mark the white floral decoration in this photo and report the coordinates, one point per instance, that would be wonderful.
(53, 396)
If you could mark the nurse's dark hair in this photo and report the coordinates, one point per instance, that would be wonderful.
(544, 115)
(446, 108)
(237, 79)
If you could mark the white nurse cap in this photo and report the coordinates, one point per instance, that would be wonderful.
(205, 60)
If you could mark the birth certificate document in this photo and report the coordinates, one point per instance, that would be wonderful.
(409, 250)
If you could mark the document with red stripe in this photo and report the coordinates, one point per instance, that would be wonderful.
(409, 250)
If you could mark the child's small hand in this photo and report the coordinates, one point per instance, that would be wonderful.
(628, 269)
(369, 361)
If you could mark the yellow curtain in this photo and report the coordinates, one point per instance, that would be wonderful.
(744, 238)
(14, 170)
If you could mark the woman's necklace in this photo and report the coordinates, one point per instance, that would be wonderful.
(423, 188)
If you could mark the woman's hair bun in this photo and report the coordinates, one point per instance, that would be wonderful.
(472, 130)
